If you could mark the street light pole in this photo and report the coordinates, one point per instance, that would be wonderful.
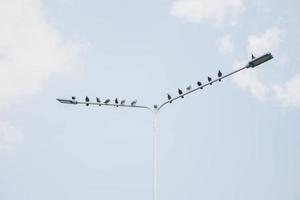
(155, 110)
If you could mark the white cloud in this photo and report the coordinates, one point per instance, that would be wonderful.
(270, 40)
(249, 80)
(216, 11)
(225, 44)
(287, 93)
(9, 136)
(31, 51)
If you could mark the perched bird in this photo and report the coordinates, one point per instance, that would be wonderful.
(189, 88)
(98, 101)
(169, 98)
(219, 75)
(199, 84)
(107, 101)
(155, 106)
(252, 56)
(133, 103)
(87, 100)
(116, 101)
(123, 102)
(73, 98)
(209, 80)
(180, 92)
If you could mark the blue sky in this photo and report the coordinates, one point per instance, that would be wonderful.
(238, 139)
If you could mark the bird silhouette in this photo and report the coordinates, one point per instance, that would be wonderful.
(87, 100)
(199, 84)
(123, 102)
(107, 101)
(155, 106)
(133, 103)
(209, 80)
(252, 56)
(98, 101)
(169, 98)
(180, 92)
(188, 88)
(73, 98)
(219, 75)
(117, 102)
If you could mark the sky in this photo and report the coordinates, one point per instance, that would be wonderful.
(238, 139)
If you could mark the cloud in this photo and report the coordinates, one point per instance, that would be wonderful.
(216, 11)
(9, 136)
(258, 45)
(225, 44)
(269, 40)
(31, 52)
(248, 79)
(287, 94)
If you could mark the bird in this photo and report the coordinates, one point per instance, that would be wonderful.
(219, 75)
(73, 98)
(188, 88)
(107, 101)
(155, 106)
(123, 102)
(98, 101)
(87, 100)
(116, 101)
(169, 98)
(209, 80)
(252, 56)
(180, 92)
(133, 103)
(199, 84)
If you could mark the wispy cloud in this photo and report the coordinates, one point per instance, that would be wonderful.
(31, 51)
(216, 11)
(225, 44)
(10, 136)
(287, 94)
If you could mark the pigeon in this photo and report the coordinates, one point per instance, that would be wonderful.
(209, 80)
(98, 101)
(252, 56)
(107, 101)
(116, 101)
(133, 103)
(180, 92)
(199, 84)
(219, 75)
(123, 102)
(169, 98)
(189, 88)
(87, 100)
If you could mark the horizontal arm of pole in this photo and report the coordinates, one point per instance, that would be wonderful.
(201, 87)
(74, 102)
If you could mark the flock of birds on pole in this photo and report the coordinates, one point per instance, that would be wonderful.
(118, 103)
(189, 88)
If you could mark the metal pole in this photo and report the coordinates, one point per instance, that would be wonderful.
(155, 156)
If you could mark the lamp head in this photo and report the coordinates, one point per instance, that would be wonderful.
(260, 60)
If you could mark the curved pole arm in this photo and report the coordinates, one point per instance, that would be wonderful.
(253, 63)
